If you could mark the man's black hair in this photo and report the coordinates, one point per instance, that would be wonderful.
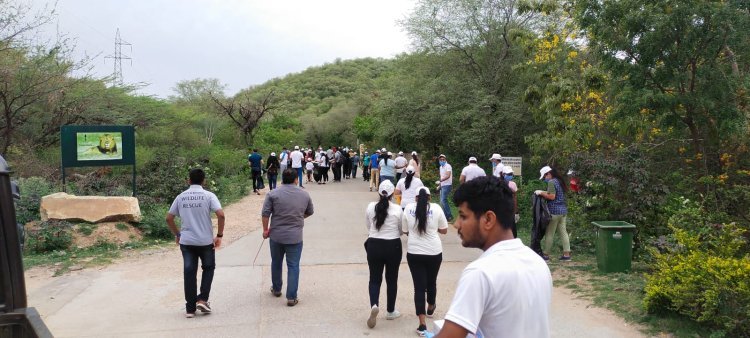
(255, 150)
(487, 193)
(197, 176)
(288, 176)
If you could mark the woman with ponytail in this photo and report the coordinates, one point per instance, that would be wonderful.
(383, 247)
(422, 221)
(407, 187)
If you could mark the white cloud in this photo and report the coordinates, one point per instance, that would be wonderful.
(240, 42)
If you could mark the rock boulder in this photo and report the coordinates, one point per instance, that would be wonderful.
(93, 209)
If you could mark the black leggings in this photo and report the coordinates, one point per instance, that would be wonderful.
(424, 270)
(383, 253)
(325, 174)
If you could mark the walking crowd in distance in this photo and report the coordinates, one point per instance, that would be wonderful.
(506, 292)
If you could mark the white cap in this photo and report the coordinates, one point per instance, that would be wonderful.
(377, 151)
(413, 153)
(426, 189)
(410, 169)
(386, 188)
(496, 157)
(544, 171)
(390, 153)
(296, 147)
(383, 150)
(472, 159)
(507, 169)
(442, 155)
(400, 152)
(273, 154)
(571, 172)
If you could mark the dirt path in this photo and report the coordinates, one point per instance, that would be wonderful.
(141, 294)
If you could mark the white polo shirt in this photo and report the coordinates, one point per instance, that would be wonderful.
(446, 170)
(409, 195)
(506, 292)
(472, 171)
(391, 228)
(194, 207)
(401, 162)
(296, 157)
(498, 171)
(429, 242)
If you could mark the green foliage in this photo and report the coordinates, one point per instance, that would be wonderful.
(704, 273)
(153, 224)
(121, 226)
(86, 229)
(49, 236)
(32, 191)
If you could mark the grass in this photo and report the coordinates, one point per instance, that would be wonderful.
(86, 229)
(102, 253)
(621, 293)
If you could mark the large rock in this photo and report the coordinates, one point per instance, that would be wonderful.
(93, 209)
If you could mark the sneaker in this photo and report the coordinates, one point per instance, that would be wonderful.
(421, 330)
(204, 306)
(373, 316)
(545, 257)
(431, 310)
(292, 302)
(566, 258)
(190, 315)
(275, 293)
(392, 315)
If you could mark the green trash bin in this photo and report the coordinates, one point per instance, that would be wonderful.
(614, 245)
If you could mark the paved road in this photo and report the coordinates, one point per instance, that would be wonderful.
(143, 297)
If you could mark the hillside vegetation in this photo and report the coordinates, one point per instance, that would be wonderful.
(648, 101)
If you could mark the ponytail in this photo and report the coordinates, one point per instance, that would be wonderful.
(407, 180)
(381, 211)
(423, 204)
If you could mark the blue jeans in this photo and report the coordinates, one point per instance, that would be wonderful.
(190, 256)
(444, 191)
(300, 172)
(272, 181)
(293, 254)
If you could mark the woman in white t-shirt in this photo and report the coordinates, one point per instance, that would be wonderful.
(384, 251)
(414, 162)
(422, 221)
(407, 187)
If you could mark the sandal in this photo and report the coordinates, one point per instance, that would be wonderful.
(431, 310)
(292, 302)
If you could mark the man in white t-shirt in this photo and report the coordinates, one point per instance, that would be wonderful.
(401, 163)
(471, 171)
(297, 158)
(196, 239)
(497, 165)
(283, 159)
(507, 291)
(445, 183)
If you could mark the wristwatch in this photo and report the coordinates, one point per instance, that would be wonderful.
(219, 235)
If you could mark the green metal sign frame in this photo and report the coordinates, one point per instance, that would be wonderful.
(97, 146)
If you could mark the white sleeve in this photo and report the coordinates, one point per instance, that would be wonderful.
(469, 300)
(404, 222)
(174, 209)
(442, 222)
(368, 217)
(215, 204)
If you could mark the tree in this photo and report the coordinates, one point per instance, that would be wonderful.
(681, 64)
(246, 109)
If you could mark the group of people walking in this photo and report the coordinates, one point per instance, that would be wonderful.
(310, 165)
(505, 292)
(421, 221)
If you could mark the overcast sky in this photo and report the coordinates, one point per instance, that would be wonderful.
(240, 42)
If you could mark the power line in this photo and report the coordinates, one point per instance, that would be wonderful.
(118, 57)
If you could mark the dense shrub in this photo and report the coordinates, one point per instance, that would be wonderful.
(50, 236)
(704, 273)
(153, 224)
(32, 191)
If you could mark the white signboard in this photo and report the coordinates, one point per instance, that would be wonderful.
(515, 163)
